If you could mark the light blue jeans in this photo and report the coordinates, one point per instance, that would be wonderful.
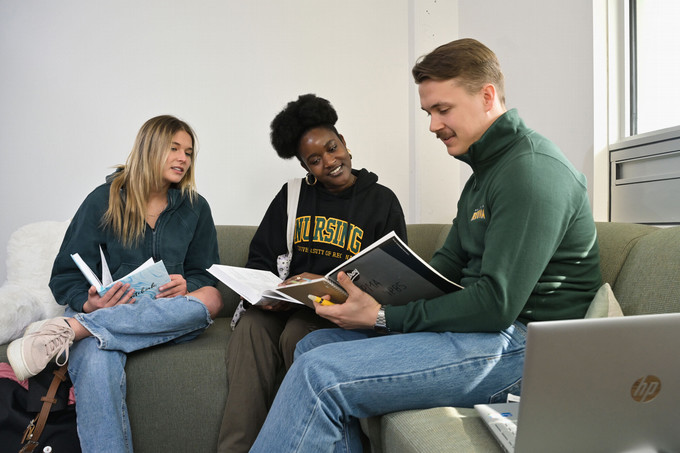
(339, 376)
(97, 363)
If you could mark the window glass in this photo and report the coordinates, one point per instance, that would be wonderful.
(658, 64)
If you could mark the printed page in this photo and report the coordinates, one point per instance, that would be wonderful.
(251, 284)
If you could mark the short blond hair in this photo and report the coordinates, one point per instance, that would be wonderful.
(468, 61)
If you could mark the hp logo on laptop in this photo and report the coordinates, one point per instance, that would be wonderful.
(645, 389)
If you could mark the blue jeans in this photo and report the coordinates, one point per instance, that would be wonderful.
(96, 364)
(339, 376)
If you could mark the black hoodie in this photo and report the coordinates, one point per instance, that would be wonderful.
(370, 209)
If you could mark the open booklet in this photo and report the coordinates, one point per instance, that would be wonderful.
(146, 279)
(260, 287)
(388, 270)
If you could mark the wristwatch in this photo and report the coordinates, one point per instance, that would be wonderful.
(380, 322)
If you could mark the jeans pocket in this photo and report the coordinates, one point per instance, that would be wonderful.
(502, 396)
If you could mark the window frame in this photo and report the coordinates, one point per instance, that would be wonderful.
(625, 146)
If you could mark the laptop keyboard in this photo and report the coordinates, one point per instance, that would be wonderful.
(506, 428)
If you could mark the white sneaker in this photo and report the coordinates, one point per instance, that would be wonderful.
(35, 326)
(42, 341)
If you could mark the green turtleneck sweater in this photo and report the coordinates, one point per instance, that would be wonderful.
(523, 243)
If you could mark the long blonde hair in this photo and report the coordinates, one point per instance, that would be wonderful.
(142, 174)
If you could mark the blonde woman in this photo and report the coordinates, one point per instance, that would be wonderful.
(148, 208)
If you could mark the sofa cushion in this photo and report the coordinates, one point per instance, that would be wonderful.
(604, 304)
(616, 240)
(234, 242)
(648, 281)
(426, 238)
(179, 390)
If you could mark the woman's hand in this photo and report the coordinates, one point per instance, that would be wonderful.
(276, 305)
(118, 294)
(359, 311)
(280, 305)
(176, 287)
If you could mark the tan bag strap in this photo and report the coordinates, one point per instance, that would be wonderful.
(35, 428)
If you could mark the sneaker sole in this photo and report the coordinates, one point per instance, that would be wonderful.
(16, 360)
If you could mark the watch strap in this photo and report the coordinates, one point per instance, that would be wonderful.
(380, 321)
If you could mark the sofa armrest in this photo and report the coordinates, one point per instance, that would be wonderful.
(440, 429)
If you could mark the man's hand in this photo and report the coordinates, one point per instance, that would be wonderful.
(118, 294)
(358, 312)
(176, 287)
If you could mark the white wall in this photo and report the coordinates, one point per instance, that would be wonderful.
(546, 52)
(78, 78)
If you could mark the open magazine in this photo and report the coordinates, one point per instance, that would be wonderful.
(388, 270)
(260, 287)
(146, 279)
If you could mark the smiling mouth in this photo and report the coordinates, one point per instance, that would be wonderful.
(178, 169)
(336, 171)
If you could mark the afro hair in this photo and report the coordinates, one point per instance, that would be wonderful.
(308, 112)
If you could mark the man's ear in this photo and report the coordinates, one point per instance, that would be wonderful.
(489, 95)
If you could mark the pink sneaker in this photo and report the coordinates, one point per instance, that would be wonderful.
(42, 341)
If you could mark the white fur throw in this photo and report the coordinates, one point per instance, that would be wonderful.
(25, 296)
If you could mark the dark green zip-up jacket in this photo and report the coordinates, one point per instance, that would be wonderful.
(184, 238)
(523, 243)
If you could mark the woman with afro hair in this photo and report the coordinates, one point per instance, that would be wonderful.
(340, 211)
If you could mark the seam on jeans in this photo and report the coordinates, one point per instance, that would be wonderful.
(486, 358)
(307, 423)
(125, 417)
(483, 359)
(478, 359)
(85, 323)
(207, 312)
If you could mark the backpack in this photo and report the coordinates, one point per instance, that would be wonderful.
(38, 419)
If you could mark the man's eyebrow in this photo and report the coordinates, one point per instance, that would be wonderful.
(428, 110)
(435, 106)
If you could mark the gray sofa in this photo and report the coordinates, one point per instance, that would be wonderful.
(176, 393)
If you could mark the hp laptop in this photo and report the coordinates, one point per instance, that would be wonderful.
(596, 385)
